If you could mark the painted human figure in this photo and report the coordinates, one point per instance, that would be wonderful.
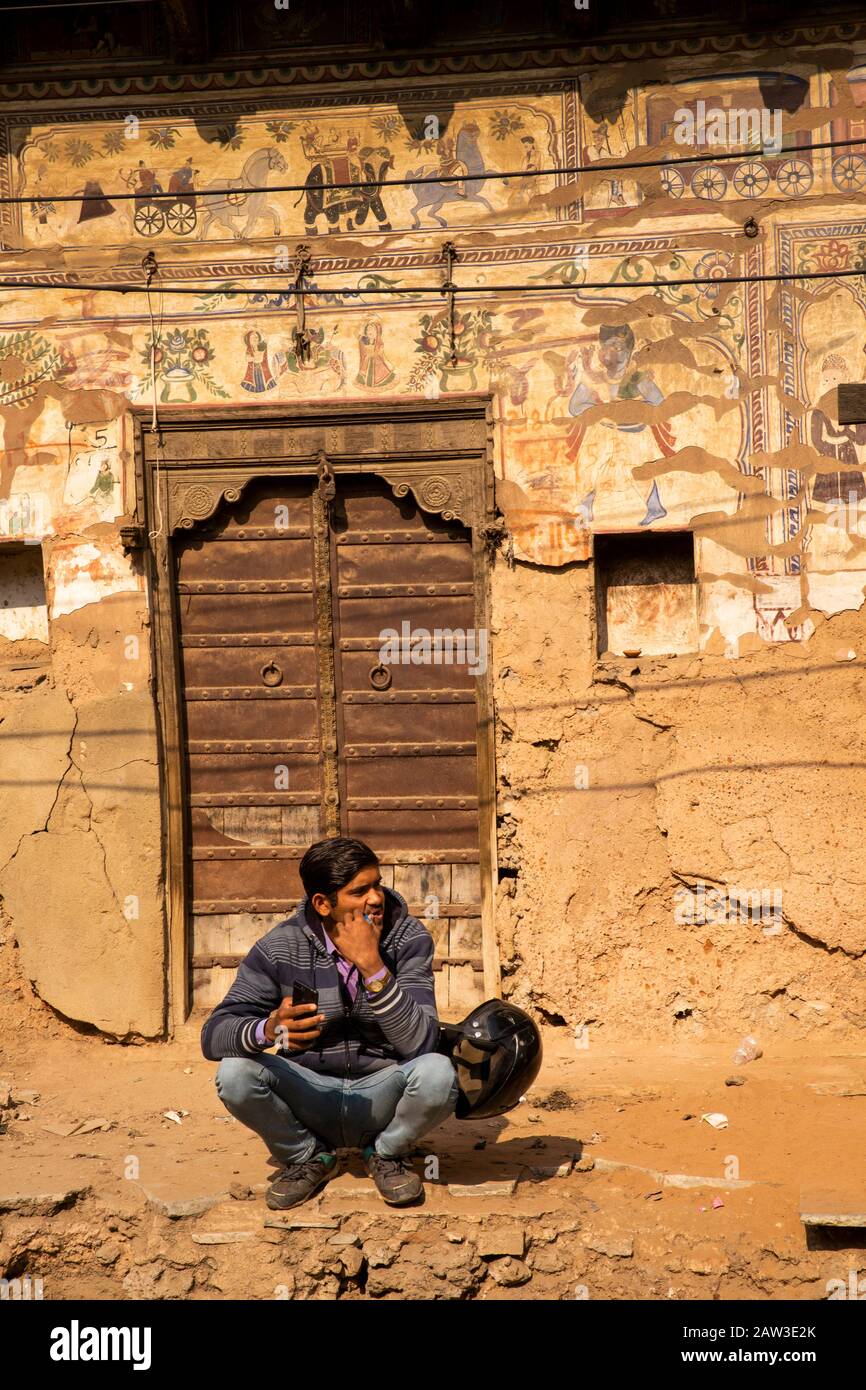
(258, 376)
(148, 183)
(835, 441)
(41, 208)
(373, 369)
(613, 378)
(181, 180)
(103, 483)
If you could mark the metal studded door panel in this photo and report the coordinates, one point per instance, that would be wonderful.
(251, 681)
(408, 752)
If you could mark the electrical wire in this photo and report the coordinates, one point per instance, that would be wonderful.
(487, 175)
(763, 278)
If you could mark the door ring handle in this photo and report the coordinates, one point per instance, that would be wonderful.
(380, 677)
(272, 673)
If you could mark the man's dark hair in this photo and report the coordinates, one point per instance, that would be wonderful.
(329, 865)
(612, 332)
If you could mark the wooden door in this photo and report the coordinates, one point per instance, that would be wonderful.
(294, 729)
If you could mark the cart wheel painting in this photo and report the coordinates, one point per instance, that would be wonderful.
(148, 220)
(673, 183)
(710, 182)
(180, 218)
(849, 172)
(751, 179)
(794, 176)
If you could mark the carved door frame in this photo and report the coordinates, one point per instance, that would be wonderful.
(441, 452)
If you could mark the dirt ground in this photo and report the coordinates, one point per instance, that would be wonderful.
(152, 1208)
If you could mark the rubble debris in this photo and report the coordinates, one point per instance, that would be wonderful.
(92, 1126)
(221, 1237)
(506, 1240)
(503, 1188)
(176, 1208)
(510, 1272)
(41, 1203)
(539, 1172)
(556, 1100)
(297, 1223)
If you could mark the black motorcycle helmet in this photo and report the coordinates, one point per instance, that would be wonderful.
(496, 1052)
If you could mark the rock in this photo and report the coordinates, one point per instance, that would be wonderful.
(91, 1126)
(63, 1130)
(41, 1203)
(547, 1262)
(178, 1207)
(483, 1189)
(613, 1243)
(222, 1237)
(5, 1095)
(538, 1172)
(507, 1240)
(344, 1238)
(352, 1261)
(453, 1237)
(378, 1256)
(25, 1097)
(735, 1080)
(510, 1272)
(297, 1223)
(240, 1191)
(584, 1164)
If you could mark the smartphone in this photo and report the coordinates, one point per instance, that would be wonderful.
(302, 994)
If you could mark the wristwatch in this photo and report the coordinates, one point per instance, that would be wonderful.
(376, 986)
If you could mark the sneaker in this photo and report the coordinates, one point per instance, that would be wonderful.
(396, 1180)
(297, 1181)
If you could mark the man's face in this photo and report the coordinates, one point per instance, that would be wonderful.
(362, 893)
(614, 354)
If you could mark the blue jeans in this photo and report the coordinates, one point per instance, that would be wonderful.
(292, 1107)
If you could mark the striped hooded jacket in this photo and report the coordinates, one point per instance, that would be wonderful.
(356, 1038)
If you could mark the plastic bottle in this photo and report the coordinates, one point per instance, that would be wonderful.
(748, 1050)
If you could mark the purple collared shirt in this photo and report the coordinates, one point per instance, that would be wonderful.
(349, 973)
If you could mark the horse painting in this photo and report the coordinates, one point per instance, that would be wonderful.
(429, 197)
(223, 207)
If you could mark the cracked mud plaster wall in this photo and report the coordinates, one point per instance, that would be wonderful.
(745, 772)
(708, 407)
(80, 880)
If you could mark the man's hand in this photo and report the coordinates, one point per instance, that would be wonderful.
(294, 1025)
(358, 940)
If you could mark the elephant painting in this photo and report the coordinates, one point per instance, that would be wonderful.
(362, 170)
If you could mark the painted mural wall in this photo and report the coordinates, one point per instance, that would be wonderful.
(646, 405)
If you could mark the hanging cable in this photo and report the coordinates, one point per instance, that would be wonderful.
(520, 287)
(449, 256)
(300, 337)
